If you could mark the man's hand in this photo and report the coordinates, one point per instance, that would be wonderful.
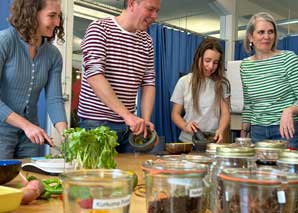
(137, 125)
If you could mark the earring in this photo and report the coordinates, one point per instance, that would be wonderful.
(251, 45)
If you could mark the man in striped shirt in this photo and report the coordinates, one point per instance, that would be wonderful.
(118, 59)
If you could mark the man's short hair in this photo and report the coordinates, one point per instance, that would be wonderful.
(125, 3)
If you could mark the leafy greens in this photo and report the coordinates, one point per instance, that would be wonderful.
(91, 149)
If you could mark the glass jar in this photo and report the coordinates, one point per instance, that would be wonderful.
(175, 187)
(228, 157)
(169, 157)
(100, 190)
(209, 162)
(211, 148)
(246, 142)
(259, 190)
(288, 161)
(267, 151)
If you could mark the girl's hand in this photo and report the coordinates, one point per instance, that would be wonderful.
(191, 127)
(218, 136)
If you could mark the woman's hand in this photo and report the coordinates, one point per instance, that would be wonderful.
(245, 129)
(37, 135)
(286, 127)
(191, 127)
(33, 132)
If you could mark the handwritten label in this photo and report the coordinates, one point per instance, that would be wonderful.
(111, 203)
(195, 192)
(281, 197)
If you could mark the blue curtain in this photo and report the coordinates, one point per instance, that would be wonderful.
(4, 13)
(286, 43)
(174, 51)
(289, 43)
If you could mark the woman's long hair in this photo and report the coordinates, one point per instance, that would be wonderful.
(198, 78)
(23, 16)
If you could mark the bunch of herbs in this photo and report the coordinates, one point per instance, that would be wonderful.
(91, 149)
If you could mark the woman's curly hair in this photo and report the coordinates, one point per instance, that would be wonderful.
(23, 16)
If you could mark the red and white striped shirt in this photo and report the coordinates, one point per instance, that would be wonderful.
(125, 59)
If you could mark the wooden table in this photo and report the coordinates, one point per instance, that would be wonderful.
(131, 162)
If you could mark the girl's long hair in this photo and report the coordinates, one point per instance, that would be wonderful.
(198, 78)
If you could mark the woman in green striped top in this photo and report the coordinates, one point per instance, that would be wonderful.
(269, 80)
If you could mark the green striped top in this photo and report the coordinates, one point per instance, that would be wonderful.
(269, 86)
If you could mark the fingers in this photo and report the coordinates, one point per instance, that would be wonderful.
(137, 125)
(286, 127)
(287, 131)
(37, 135)
(191, 127)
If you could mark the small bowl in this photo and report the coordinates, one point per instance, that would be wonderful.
(9, 169)
(141, 144)
(179, 148)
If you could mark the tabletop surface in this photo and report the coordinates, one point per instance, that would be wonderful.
(131, 162)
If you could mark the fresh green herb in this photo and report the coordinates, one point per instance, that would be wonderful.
(81, 192)
(31, 177)
(91, 149)
(51, 156)
(52, 186)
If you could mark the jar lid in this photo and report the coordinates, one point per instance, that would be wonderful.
(235, 152)
(211, 147)
(242, 139)
(272, 144)
(288, 156)
(260, 176)
(173, 167)
(198, 159)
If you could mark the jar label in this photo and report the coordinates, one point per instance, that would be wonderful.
(195, 192)
(281, 197)
(111, 203)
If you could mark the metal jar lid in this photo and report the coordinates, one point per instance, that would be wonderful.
(247, 140)
(271, 144)
(235, 152)
(288, 156)
(211, 147)
(198, 159)
(173, 167)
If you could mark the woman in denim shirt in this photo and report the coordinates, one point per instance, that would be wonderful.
(29, 62)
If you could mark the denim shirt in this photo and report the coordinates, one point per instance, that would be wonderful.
(22, 78)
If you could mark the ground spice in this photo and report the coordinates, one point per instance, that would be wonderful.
(183, 204)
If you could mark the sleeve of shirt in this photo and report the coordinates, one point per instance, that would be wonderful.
(53, 90)
(291, 67)
(247, 111)
(149, 77)
(178, 96)
(4, 109)
(94, 49)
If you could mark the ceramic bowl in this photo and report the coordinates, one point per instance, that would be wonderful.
(179, 148)
(141, 144)
(9, 169)
(10, 198)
